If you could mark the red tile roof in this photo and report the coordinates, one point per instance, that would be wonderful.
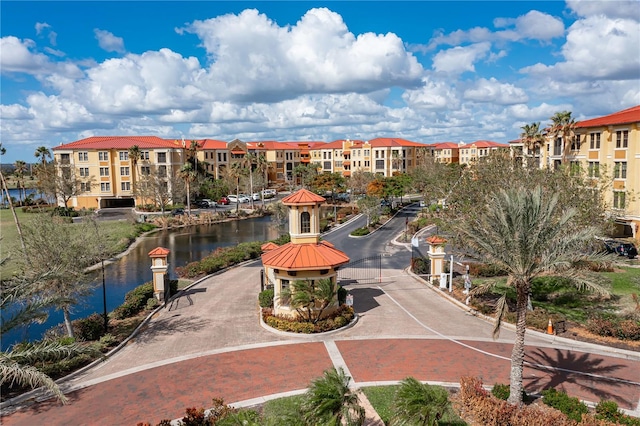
(159, 252)
(382, 142)
(436, 240)
(485, 144)
(445, 145)
(269, 246)
(304, 257)
(629, 115)
(302, 197)
(212, 144)
(268, 145)
(121, 142)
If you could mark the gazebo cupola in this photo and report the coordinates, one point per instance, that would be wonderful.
(304, 216)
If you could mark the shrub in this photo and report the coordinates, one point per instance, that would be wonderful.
(608, 410)
(501, 391)
(152, 303)
(610, 325)
(64, 212)
(342, 295)
(360, 232)
(266, 298)
(108, 340)
(485, 270)
(134, 301)
(572, 407)
(420, 266)
(89, 328)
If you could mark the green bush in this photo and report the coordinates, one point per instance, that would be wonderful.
(64, 212)
(134, 301)
(89, 328)
(571, 407)
(266, 298)
(485, 270)
(360, 232)
(501, 391)
(342, 295)
(152, 303)
(608, 410)
(610, 325)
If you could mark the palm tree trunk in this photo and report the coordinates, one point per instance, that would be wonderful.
(251, 186)
(517, 355)
(188, 199)
(67, 321)
(15, 216)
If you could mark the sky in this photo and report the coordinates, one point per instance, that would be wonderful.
(426, 71)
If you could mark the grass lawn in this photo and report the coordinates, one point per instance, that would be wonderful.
(118, 235)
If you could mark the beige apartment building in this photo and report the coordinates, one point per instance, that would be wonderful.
(472, 152)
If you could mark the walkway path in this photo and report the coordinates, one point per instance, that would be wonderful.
(209, 343)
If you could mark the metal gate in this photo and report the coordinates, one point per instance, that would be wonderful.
(361, 270)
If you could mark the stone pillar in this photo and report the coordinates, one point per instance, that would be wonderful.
(159, 268)
(436, 256)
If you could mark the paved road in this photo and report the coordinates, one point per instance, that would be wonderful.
(209, 343)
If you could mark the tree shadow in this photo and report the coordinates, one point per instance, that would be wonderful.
(590, 373)
(169, 326)
(183, 299)
(364, 299)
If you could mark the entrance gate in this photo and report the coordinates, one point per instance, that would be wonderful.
(361, 270)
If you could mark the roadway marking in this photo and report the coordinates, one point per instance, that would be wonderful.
(336, 358)
(531, 364)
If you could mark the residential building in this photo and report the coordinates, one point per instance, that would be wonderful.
(612, 143)
(103, 175)
(446, 152)
(472, 152)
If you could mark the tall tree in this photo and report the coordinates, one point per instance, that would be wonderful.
(188, 175)
(42, 153)
(19, 172)
(525, 233)
(20, 305)
(247, 164)
(3, 151)
(533, 140)
(359, 181)
(563, 126)
(331, 402)
(59, 252)
(310, 299)
(134, 156)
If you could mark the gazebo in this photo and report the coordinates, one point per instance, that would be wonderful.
(306, 257)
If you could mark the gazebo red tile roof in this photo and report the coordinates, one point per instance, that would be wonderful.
(302, 257)
(269, 246)
(159, 252)
(436, 240)
(302, 197)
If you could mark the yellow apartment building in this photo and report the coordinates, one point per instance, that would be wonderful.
(104, 173)
(446, 152)
(472, 152)
(612, 142)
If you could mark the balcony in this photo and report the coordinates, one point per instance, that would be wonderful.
(346, 173)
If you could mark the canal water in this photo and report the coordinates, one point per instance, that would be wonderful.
(186, 245)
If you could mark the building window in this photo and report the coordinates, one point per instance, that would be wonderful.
(162, 171)
(162, 157)
(144, 155)
(366, 152)
(574, 168)
(125, 186)
(594, 140)
(367, 163)
(104, 171)
(103, 156)
(105, 187)
(622, 139)
(327, 165)
(620, 170)
(594, 169)
(124, 155)
(618, 199)
(305, 223)
(145, 170)
(85, 187)
(84, 172)
(557, 146)
(575, 145)
(124, 171)
(83, 156)
(379, 164)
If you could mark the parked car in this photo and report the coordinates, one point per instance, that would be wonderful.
(224, 201)
(244, 198)
(255, 196)
(238, 199)
(627, 249)
(177, 212)
(385, 203)
(202, 204)
(210, 202)
(269, 193)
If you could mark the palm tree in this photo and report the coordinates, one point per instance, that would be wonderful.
(418, 404)
(20, 170)
(311, 299)
(532, 138)
(187, 174)
(235, 171)
(3, 151)
(247, 163)
(524, 233)
(42, 152)
(21, 299)
(329, 401)
(261, 167)
(134, 155)
(563, 126)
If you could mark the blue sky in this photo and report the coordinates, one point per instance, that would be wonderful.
(425, 71)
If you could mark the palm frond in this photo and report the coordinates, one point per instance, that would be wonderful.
(12, 372)
(502, 308)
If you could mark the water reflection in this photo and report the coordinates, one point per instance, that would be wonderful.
(186, 245)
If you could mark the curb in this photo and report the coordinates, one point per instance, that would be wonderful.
(310, 336)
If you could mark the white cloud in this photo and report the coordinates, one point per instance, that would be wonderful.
(40, 26)
(539, 26)
(109, 42)
(493, 91)
(627, 9)
(596, 48)
(14, 112)
(541, 113)
(253, 59)
(460, 59)
(434, 95)
(16, 56)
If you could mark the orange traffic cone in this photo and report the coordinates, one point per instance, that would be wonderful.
(550, 327)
